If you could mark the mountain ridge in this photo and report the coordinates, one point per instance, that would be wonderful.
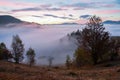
(111, 22)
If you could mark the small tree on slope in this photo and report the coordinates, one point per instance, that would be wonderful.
(17, 49)
(30, 56)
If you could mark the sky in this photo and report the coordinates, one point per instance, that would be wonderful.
(60, 11)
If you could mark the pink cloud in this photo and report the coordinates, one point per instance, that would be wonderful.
(78, 8)
(81, 21)
(7, 3)
(109, 5)
(107, 11)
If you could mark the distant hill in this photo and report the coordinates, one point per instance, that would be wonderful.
(10, 21)
(111, 22)
(6, 19)
(69, 24)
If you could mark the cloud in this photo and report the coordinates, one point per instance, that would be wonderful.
(81, 6)
(18, 6)
(85, 5)
(46, 41)
(54, 9)
(26, 9)
(107, 11)
(78, 8)
(85, 16)
(11, 4)
(38, 9)
(37, 16)
(70, 15)
(45, 5)
(3, 12)
(51, 15)
(89, 5)
(54, 16)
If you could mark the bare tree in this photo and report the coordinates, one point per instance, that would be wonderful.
(17, 49)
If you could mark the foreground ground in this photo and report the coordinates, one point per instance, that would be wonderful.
(11, 71)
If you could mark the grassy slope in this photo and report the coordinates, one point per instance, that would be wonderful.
(11, 71)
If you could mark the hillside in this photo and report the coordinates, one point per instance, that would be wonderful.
(11, 71)
(6, 19)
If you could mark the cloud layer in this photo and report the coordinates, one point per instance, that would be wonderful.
(60, 9)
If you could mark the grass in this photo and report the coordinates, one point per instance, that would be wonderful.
(11, 71)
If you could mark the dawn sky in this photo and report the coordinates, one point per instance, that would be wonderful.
(60, 11)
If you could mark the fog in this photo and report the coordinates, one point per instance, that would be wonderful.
(47, 40)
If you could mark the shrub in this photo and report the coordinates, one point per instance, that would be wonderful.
(82, 57)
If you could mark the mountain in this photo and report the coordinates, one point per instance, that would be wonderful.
(111, 22)
(10, 21)
(69, 24)
(6, 19)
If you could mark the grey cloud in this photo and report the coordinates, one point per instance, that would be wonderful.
(38, 9)
(54, 9)
(70, 15)
(50, 15)
(85, 16)
(26, 9)
(83, 5)
(45, 6)
(37, 16)
(80, 6)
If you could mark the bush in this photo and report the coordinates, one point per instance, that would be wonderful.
(82, 57)
(5, 54)
(68, 61)
(73, 74)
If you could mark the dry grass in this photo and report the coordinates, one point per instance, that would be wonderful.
(11, 71)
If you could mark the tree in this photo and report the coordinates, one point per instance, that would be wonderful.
(50, 60)
(94, 40)
(5, 54)
(68, 61)
(17, 49)
(30, 56)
